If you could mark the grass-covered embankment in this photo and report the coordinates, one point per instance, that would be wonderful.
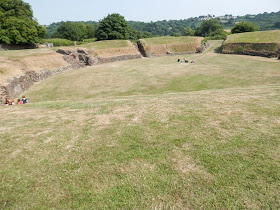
(147, 134)
(169, 45)
(262, 43)
(16, 63)
(111, 48)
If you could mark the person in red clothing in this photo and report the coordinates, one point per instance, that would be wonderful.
(19, 102)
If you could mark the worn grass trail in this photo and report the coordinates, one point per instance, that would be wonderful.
(148, 133)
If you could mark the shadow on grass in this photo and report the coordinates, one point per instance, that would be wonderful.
(218, 49)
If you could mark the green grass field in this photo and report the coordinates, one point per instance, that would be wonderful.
(147, 134)
(255, 37)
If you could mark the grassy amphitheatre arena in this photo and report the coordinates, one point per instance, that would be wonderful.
(147, 134)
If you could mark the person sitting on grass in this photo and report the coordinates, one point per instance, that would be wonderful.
(24, 100)
(193, 61)
(7, 101)
(19, 102)
(178, 60)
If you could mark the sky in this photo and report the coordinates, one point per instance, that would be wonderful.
(49, 11)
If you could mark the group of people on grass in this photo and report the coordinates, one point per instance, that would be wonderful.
(19, 102)
(185, 60)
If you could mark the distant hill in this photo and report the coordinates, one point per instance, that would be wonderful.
(265, 21)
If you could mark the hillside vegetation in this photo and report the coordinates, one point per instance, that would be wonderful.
(147, 134)
(266, 21)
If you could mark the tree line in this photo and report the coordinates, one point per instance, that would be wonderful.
(18, 26)
(265, 21)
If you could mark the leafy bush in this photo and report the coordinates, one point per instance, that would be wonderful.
(58, 42)
(175, 34)
(135, 35)
(244, 27)
(75, 31)
(85, 41)
(238, 49)
(188, 31)
(219, 34)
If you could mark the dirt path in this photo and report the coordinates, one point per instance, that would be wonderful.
(214, 46)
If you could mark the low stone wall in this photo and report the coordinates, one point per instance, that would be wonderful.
(19, 85)
(118, 58)
(270, 50)
(22, 83)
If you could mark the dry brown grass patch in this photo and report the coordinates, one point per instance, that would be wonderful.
(183, 163)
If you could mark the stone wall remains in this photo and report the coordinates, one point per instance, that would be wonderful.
(270, 50)
(20, 84)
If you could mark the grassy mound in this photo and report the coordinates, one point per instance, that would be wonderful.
(108, 48)
(16, 62)
(148, 134)
(255, 37)
(170, 45)
(263, 43)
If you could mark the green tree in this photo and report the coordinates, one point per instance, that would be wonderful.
(188, 31)
(277, 24)
(75, 31)
(90, 31)
(244, 27)
(114, 26)
(17, 25)
(219, 34)
(135, 35)
(207, 27)
(175, 34)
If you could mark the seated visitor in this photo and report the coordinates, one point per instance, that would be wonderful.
(20, 102)
(24, 100)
